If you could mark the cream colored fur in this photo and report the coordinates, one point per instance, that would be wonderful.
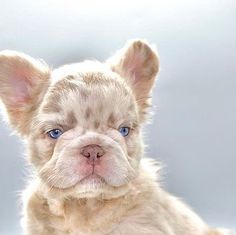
(120, 193)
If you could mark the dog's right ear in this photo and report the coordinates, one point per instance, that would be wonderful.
(138, 63)
(23, 81)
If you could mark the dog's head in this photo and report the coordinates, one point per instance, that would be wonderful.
(81, 121)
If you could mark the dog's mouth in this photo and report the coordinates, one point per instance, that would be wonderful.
(92, 182)
(93, 179)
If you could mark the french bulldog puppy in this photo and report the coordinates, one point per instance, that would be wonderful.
(82, 127)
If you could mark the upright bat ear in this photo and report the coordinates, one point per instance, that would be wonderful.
(23, 81)
(138, 64)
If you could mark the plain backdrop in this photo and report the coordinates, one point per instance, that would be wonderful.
(193, 131)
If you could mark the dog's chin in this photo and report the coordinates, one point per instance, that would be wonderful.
(92, 182)
(95, 187)
(91, 186)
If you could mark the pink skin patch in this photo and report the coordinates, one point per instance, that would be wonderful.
(92, 171)
(91, 161)
(20, 89)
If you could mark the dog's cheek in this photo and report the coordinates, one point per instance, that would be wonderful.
(65, 168)
(134, 144)
(114, 166)
(40, 150)
(60, 172)
(134, 147)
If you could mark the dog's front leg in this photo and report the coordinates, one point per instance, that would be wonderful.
(38, 218)
(37, 226)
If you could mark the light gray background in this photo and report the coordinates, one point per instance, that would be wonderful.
(193, 131)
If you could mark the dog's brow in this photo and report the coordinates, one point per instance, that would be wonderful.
(44, 126)
(132, 123)
(71, 119)
(45, 122)
(52, 107)
(111, 119)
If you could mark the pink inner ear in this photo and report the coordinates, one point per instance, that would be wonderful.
(133, 66)
(19, 91)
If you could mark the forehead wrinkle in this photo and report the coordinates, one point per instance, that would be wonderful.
(45, 125)
(53, 120)
(48, 116)
(87, 82)
(66, 88)
(52, 107)
(56, 94)
(75, 90)
(101, 91)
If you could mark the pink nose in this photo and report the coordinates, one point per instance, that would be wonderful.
(92, 152)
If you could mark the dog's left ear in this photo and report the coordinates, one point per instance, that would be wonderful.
(138, 63)
(23, 81)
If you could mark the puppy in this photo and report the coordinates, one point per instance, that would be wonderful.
(82, 125)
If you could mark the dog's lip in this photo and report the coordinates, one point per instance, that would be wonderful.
(92, 177)
(87, 179)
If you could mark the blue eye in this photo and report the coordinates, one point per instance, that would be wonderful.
(55, 133)
(124, 131)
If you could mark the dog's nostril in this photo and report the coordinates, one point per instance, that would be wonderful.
(92, 152)
(100, 154)
(86, 154)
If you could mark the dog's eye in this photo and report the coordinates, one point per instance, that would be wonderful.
(124, 131)
(55, 133)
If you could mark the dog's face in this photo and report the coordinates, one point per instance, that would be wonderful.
(81, 121)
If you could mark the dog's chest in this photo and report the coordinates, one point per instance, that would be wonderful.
(90, 217)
